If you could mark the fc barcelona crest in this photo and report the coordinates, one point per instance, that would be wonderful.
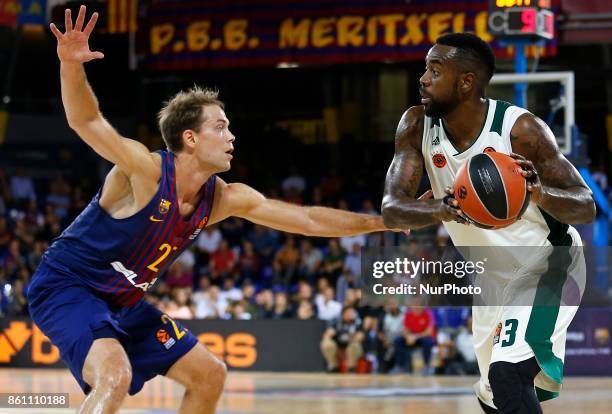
(164, 206)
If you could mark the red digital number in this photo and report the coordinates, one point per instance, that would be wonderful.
(529, 20)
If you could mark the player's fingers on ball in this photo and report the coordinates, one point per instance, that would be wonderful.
(449, 190)
(517, 156)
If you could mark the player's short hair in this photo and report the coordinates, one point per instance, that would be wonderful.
(472, 51)
(184, 111)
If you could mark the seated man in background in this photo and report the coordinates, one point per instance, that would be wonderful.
(344, 334)
(419, 332)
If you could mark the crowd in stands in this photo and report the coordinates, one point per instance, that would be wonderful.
(238, 270)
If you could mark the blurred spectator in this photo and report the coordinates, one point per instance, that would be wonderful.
(463, 361)
(367, 207)
(23, 234)
(392, 328)
(305, 311)
(265, 303)
(346, 281)
(327, 308)
(180, 307)
(419, 332)
(232, 229)
(331, 185)
(210, 305)
(372, 344)
(347, 243)
(294, 183)
(206, 244)
(12, 260)
(249, 262)
(343, 334)
(310, 260)
(35, 256)
(179, 275)
(352, 262)
(59, 196)
(222, 262)
(22, 189)
(304, 292)
(238, 312)
(281, 307)
(286, 262)
(230, 292)
(333, 261)
(17, 304)
(264, 241)
(5, 235)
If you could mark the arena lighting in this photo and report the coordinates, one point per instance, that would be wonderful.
(287, 65)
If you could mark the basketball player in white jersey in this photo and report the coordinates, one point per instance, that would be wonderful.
(520, 349)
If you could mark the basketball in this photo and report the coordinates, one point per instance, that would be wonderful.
(491, 191)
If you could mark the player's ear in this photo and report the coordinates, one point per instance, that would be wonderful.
(189, 138)
(467, 82)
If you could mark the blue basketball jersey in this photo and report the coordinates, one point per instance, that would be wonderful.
(122, 258)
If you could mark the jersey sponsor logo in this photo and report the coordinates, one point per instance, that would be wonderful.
(439, 160)
(436, 141)
(497, 334)
(198, 230)
(130, 275)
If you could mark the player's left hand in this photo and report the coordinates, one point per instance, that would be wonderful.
(528, 170)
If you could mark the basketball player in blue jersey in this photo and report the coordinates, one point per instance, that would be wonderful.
(454, 123)
(86, 296)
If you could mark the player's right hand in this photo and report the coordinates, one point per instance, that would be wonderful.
(449, 209)
(73, 46)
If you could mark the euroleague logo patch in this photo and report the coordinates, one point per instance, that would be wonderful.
(439, 160)
(497, 334)
(164, 338)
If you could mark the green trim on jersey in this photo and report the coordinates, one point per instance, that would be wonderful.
(547, 301)
(544, 395)
(498, 118)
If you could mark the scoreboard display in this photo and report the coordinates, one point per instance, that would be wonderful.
(521, 19)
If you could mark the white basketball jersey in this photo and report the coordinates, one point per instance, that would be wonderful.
(443, 160)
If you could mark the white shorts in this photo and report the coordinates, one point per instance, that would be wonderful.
(515, 333)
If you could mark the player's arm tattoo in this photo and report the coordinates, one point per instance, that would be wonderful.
(399, 207)
(558, 188)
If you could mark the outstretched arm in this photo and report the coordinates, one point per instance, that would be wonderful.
(243, 201)
(81, 105)
(555, 185)
(400, 209)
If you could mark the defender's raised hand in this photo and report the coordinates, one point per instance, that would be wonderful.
(73, 46)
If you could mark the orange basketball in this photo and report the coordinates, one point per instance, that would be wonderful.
(491, 191)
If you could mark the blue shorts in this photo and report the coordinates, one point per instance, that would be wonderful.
(73, 316)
